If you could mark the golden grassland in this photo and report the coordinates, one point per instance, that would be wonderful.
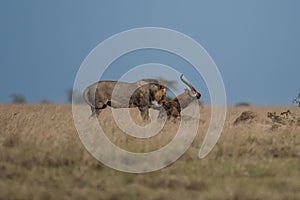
(42, 157)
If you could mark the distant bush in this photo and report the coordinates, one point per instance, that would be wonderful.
(243, 104)
(45, 101)
(18, 98)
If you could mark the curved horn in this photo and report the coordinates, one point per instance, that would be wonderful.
(187, 83)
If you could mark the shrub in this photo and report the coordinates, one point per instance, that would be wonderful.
(297, 100)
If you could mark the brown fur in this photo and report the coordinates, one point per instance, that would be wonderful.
(123, 95)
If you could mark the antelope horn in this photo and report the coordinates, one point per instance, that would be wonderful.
(187, 83)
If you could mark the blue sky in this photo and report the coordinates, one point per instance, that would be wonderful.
(255, 44)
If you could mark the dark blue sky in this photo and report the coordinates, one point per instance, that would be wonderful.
(254, 43)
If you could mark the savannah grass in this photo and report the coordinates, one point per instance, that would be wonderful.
(41, 157)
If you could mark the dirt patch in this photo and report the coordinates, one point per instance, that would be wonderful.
(284, 118)
(245, 117)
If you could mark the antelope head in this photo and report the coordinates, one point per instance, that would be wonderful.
(193, 92)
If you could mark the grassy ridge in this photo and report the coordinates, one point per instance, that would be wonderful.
(41, 157)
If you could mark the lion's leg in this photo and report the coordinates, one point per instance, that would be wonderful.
(144, 112)
(162, 113)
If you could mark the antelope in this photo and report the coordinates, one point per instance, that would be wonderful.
(174, 107)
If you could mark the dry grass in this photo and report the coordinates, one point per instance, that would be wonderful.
(41, 157)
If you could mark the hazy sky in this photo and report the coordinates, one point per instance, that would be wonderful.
(255, 43)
